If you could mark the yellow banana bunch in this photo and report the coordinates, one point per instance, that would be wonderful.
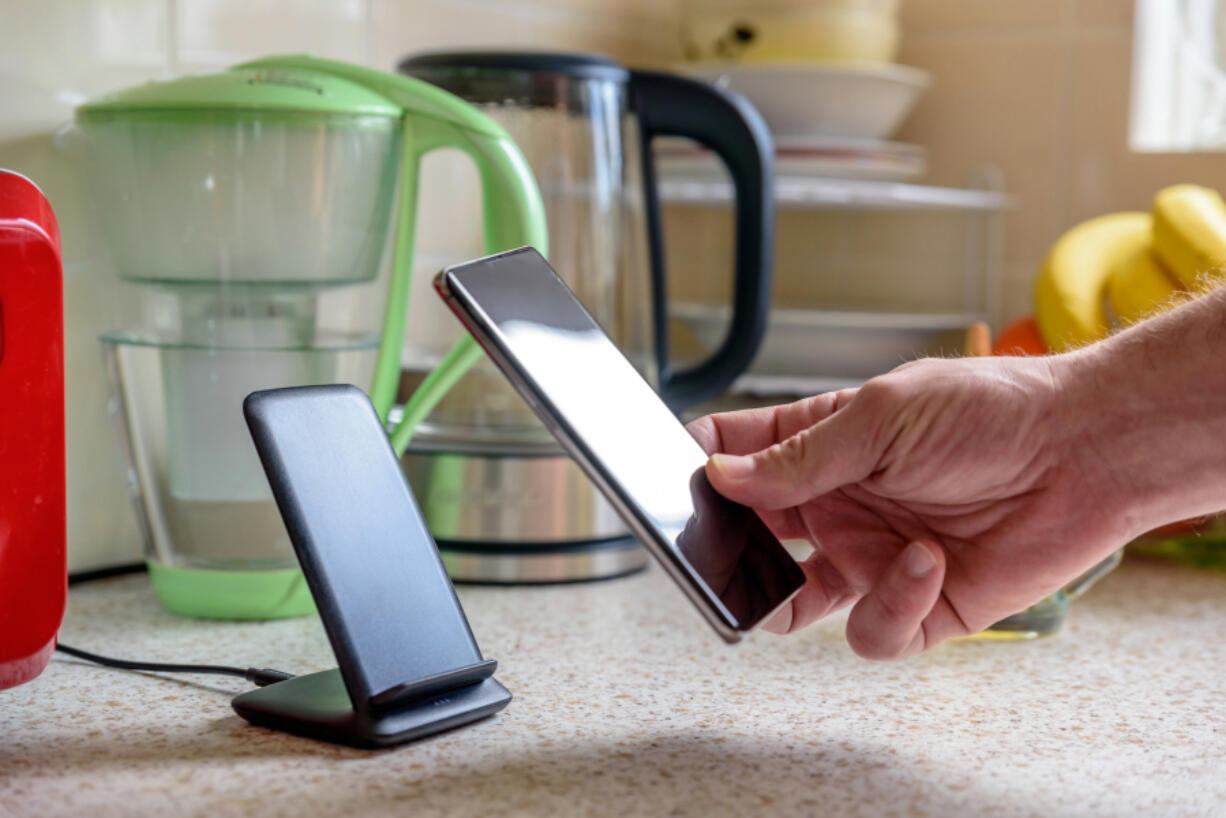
(1134, 262)
(1138, 287)
(1068, 295)
(1190, 232)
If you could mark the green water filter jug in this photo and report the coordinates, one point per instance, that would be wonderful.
(237, 205)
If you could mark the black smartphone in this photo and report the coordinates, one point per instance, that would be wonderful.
(610, 420)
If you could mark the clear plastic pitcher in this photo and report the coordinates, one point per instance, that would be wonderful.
(249, 212)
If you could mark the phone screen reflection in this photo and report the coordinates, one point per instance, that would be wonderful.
(640, 447)
(734, 553)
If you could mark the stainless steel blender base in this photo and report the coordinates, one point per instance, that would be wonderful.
(564, 562)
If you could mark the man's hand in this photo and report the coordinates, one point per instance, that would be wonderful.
(939, 498)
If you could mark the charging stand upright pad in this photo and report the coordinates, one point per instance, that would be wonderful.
(409, 665)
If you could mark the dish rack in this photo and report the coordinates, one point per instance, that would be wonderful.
(812, 350)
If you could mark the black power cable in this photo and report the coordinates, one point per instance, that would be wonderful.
(78, 577)
(260, 676)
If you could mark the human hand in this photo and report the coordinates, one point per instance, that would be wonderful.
(939, 498)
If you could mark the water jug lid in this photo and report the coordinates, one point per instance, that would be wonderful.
(579, 66)
(253, 90)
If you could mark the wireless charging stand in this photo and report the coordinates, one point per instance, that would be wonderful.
(409, 665)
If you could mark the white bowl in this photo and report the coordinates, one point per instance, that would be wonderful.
(868, 100)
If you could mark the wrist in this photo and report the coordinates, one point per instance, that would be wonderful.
(1088, 453)
(1145, 420)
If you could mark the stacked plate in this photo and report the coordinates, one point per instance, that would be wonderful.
(823, 75)
(802, 156)
(846, 348)
(829, 120)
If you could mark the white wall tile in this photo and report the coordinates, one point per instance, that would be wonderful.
(921, 17)
(634, 32)
(219, 33)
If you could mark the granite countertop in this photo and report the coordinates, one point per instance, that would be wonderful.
(626, 704)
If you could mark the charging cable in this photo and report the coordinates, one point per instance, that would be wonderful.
(261, 676)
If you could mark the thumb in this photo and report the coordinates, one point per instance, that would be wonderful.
(888, 621)
(832, 453)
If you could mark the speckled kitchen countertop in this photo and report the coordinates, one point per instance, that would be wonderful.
(626, 704)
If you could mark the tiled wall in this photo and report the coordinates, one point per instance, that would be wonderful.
(56, 53)
(1041, 89)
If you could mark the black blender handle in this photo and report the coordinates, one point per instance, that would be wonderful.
(670, 105)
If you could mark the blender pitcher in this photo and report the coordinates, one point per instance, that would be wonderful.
(239, 204)
(504, 503)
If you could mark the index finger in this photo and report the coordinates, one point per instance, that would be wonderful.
(752, 430)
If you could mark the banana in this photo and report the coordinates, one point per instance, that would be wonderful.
(1190, 232)
(1138, 287)
(1068, 294)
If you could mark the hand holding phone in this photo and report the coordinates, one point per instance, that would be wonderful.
(626, 440)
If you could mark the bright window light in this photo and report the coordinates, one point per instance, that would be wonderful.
(1179, 76)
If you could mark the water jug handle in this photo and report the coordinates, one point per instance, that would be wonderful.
(514, 216)
(513, 210)
(669, 105)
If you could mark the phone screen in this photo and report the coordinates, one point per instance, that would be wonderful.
(589, 393)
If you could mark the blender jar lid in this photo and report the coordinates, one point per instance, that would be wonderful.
(578, 66)
(271, 90)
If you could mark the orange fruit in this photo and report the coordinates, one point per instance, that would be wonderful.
(1020, 338)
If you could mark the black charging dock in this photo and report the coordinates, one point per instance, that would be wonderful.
(409, 665)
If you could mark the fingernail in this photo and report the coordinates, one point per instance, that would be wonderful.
(734, 466)
(918, 560)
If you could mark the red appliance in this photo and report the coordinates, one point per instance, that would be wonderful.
(33, 530)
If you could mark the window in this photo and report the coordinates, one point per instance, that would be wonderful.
(1179, 76)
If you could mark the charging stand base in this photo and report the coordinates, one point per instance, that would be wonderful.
(317, 705)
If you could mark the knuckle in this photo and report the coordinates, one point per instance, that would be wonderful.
(883, 391)
(793, 452)
(844, 397)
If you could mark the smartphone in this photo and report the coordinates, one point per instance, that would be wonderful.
(610, 420)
